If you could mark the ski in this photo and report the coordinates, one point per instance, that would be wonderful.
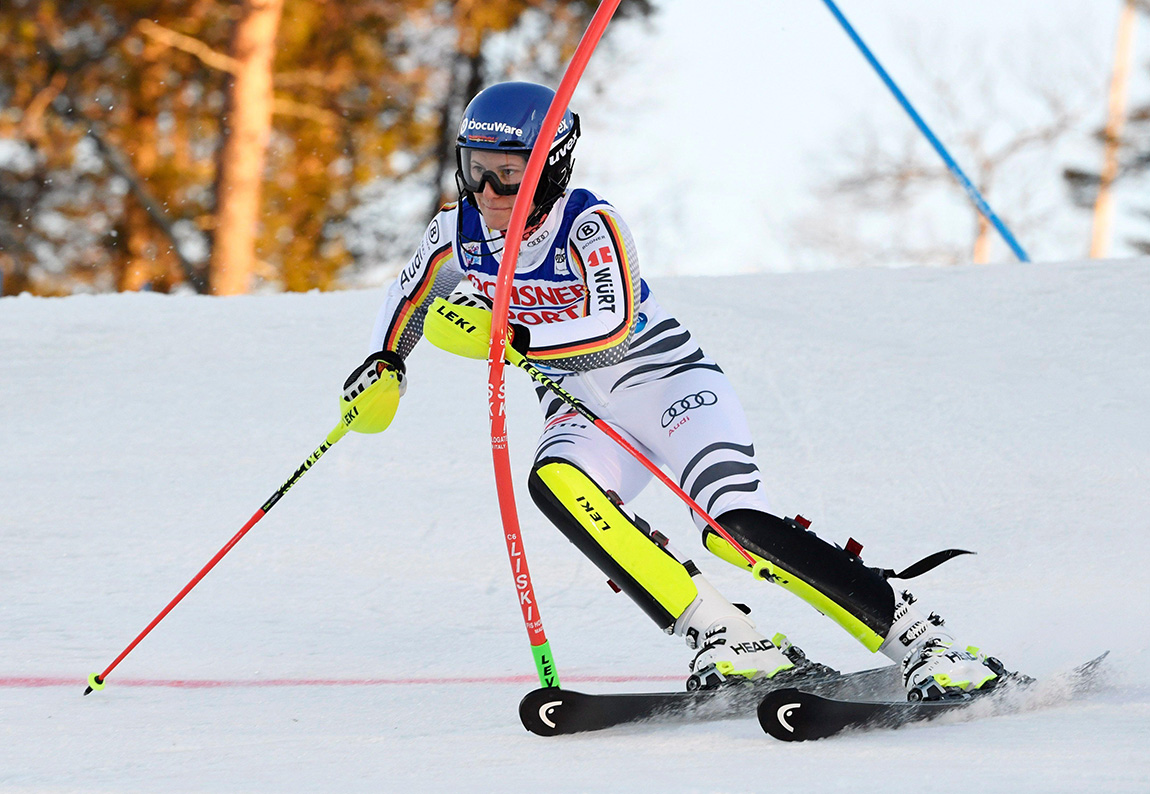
(553, 711)
(797, 715)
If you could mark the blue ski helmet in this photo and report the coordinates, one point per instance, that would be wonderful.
(506, 117)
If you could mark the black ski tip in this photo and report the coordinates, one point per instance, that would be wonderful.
(541, 710)
(794, 716)
(87, 691)
(781, 715)
(551, 711)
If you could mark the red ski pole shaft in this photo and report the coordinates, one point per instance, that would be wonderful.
(96, 681)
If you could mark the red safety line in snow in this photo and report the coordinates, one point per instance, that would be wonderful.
(39, 682)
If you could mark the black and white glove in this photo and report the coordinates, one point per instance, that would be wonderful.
(469, 297)
(370, 371)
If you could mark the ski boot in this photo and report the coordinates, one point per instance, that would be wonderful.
(932, 667)
(731, 650)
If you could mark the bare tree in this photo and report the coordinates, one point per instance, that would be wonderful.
(1104, 205)
(1001, 122)
(1126, 154)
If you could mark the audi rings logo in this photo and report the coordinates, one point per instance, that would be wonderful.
(681, 407)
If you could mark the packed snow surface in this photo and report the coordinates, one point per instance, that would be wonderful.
(365, 635)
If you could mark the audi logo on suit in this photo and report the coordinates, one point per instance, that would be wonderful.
(681, 407)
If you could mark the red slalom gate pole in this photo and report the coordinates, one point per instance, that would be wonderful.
(540, 648)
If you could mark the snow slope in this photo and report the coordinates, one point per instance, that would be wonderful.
(365, 635)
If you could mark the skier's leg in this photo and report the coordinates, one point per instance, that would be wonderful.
(703, 436)
(833, 581)
(860, 599)
(673, 593)
(625, 395)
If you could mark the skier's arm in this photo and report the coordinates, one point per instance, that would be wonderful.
(602, 251)
(432, 272)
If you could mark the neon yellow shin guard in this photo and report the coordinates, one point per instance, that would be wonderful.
(624, 549)
(828, 578)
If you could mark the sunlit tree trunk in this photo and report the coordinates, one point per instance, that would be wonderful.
(982, 241)
(241, 160)
(1104, 205)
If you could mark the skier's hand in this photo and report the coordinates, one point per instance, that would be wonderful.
(520, 340)
(369, 371)
(461, 325)
(465, 294)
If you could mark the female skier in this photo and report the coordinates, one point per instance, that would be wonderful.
(581, 313)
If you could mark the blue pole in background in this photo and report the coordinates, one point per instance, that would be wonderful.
(967, 185)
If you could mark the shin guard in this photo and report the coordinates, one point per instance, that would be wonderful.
(832, 580)
(633, 558)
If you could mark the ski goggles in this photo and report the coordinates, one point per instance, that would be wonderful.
(502, 170)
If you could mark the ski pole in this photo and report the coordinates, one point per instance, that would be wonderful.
(370, 412)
